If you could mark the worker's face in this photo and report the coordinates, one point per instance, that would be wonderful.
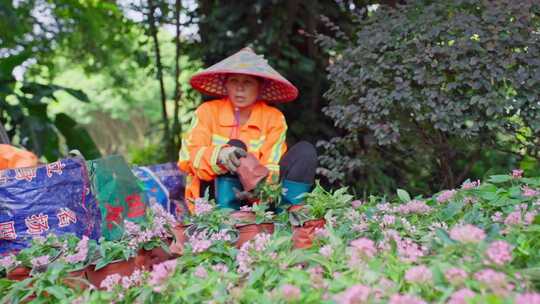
(242, 89)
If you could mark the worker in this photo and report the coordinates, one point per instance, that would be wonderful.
(242, 121)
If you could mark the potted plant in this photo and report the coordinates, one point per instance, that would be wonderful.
(258, 218)
(152, 237)
(112, 257)
(311, 215)
(206, 222)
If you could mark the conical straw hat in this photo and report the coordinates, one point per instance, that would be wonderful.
(274, 89)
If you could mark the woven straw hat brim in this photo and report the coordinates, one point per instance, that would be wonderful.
(274, 89)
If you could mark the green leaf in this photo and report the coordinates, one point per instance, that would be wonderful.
(76, 136)
(57, 291)
(403, 195)
(498, 179)
(444, 237)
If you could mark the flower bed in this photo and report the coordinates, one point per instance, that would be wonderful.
(479, 243)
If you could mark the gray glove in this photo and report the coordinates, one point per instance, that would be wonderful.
(230, 157)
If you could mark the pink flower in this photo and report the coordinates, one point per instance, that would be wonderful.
(499, 252)
(409, 251)
(455, 276)
(321, 233)
(418, 274)
(497, 217)
(414, 206)
(81, 252)
(326, 251)
(529, 192)
(467, 234)
(200, 272)
(405, 299)
(161, 272)
(40, 261)
(517, 173)
(388, 220)
(528, 298)
(364, 247)
(496, 281)
(446, 195)
(126, 282)
(202, 207)
(290, 292)
(199, 242)
(529, 217)
(470, 185)
(8, 261)
(513, 218)
(220, 268)
(357, 204)
(110, 282)
(461, 296)
(356, 294)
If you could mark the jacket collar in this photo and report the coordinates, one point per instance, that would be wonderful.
(226, 116)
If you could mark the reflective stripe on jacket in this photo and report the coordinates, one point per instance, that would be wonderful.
(213, 126)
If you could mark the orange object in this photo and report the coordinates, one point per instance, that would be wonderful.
(123, 268)
(213, 126)
(12, 157)
(249, 232)
(303, 235)
(177, 245)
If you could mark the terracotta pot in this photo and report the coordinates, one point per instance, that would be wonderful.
(303, 235)
(20, 273)
(123, 268)
(244, 216)
(76, 281)
(180, 237)
(158, 255)
(248, 232)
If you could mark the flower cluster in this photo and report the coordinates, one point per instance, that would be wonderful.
(418, 274)
(245, 257)
(467, 234)
(499, 253)
(446, 195)
(81, 252)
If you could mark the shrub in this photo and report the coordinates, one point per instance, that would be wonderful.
(429, 90)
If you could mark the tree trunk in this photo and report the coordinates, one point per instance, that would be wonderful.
(165, 118)
(177, 128)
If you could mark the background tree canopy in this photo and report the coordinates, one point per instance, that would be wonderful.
(417, 94)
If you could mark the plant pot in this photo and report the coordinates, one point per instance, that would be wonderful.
(303, 235)
(244, 216)
(249, 231)
(157, 255)
(123, 268)
(74, 278)
(180, 237)
(19, 273)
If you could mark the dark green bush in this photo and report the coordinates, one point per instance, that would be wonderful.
(430, 92)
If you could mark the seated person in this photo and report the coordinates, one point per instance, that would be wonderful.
(240, 122)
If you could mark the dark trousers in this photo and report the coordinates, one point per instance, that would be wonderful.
(298, 164)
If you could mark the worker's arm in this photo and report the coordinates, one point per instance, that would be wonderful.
(274, 146)
(198, 155)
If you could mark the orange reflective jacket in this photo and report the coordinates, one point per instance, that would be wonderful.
(12, 157)
(214, 125)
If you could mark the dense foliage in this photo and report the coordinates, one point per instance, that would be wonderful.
(476, 242)
(432, 92)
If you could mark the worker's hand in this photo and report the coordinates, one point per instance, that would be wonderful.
(230, 157)
(244, 195)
